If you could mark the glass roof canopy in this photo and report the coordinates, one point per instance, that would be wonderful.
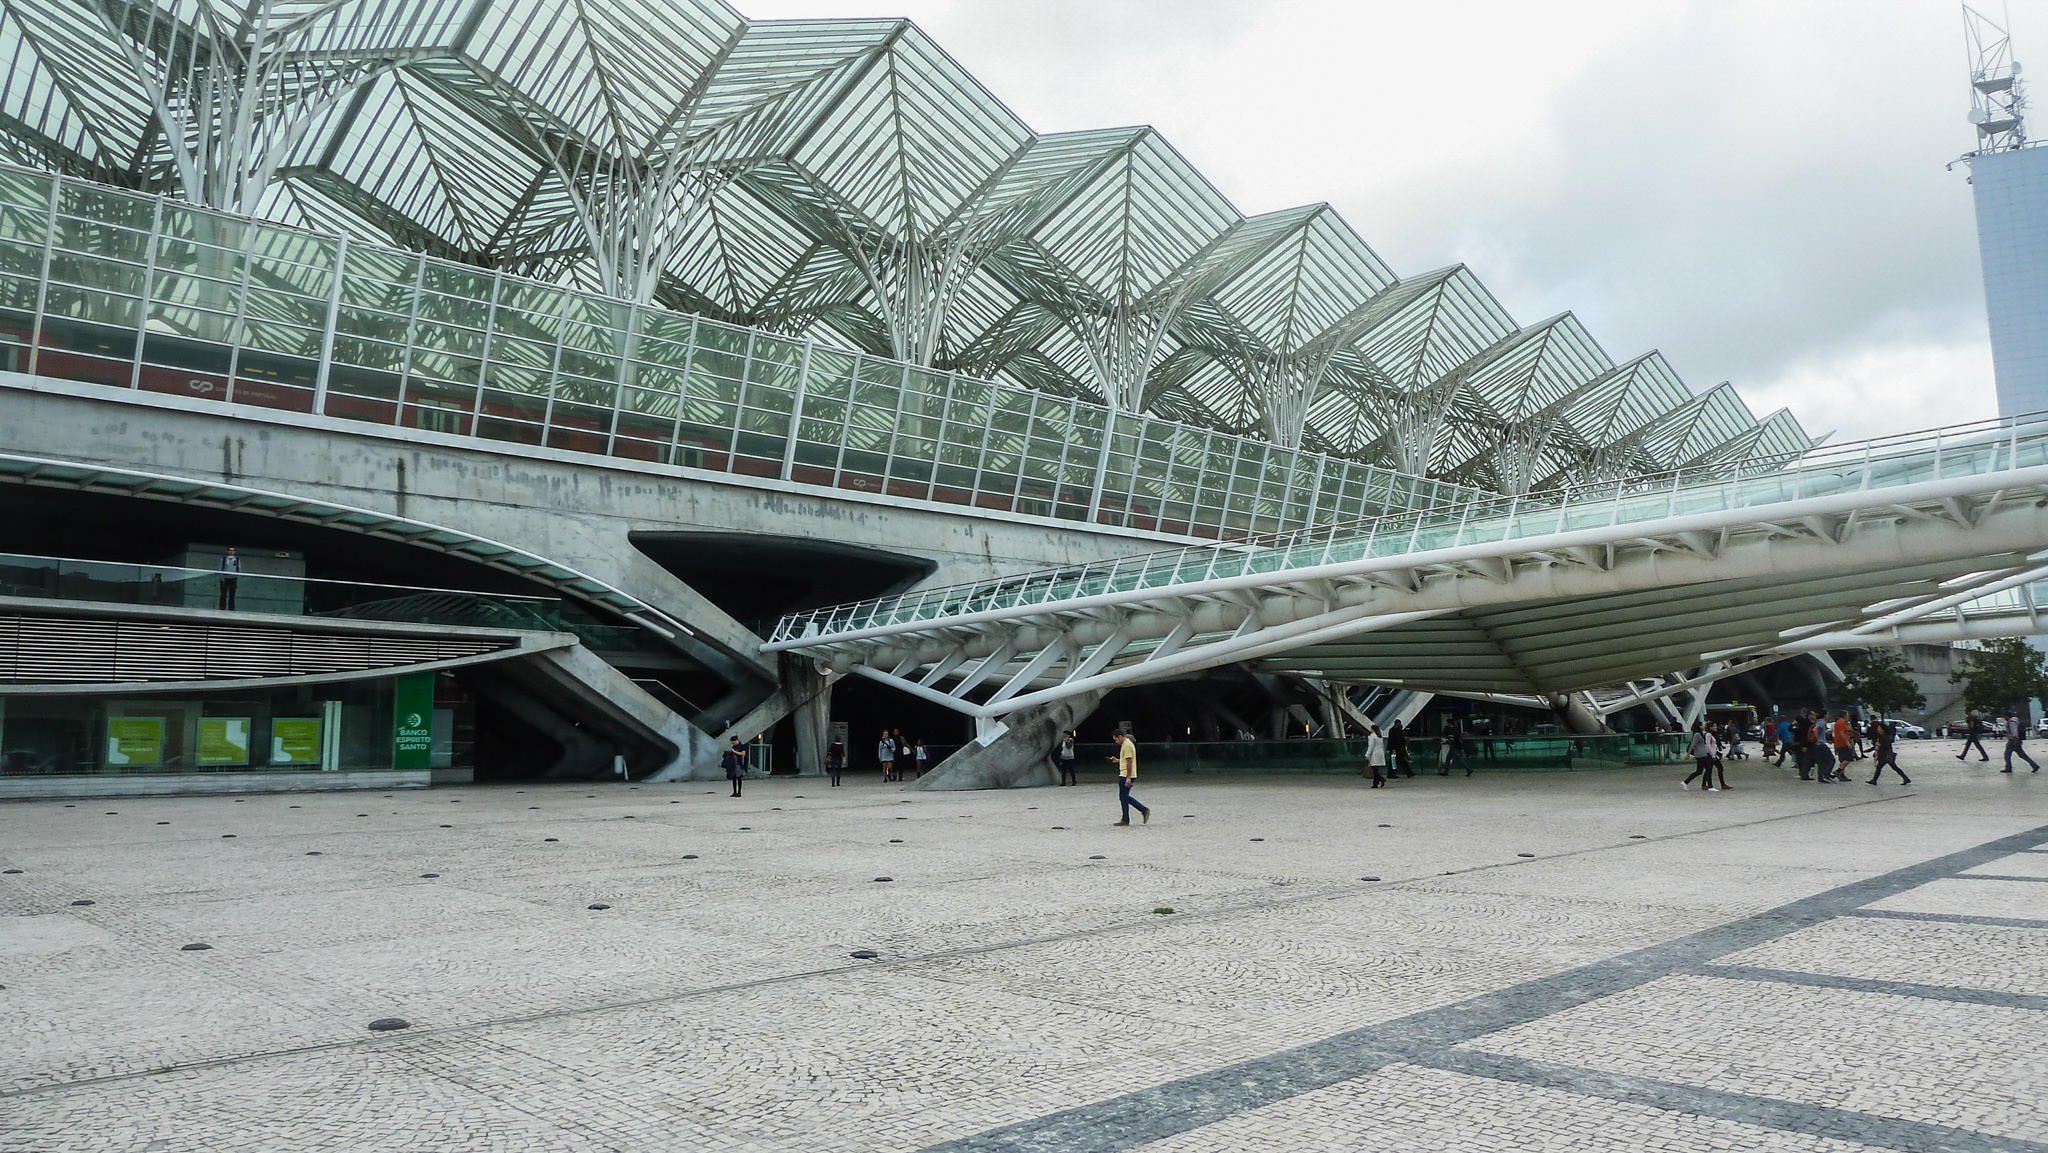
(847, 181)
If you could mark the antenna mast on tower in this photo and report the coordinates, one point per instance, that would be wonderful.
(1997, 100)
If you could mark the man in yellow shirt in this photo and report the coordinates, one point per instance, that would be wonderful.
(1126, 773)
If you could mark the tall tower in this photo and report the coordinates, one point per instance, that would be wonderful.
(2010, 180)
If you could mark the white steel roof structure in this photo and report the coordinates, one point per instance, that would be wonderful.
(846, 181)
(1545, 595)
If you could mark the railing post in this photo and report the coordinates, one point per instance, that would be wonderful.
(1024, 453)
(675, 439)
(1315, 492)
(1230, 488)
(35, 346)
(628, 343)
(156, 229)
(895, 428)
(982, 449)
(323, 370)
(412, 324)
(796, 408)
(1201, 482)
(931, 483)
(1101, 464)
(240, 336)
(846, 420)
(739, 405)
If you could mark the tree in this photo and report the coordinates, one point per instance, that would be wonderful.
(1883, 681)
(2004, 674)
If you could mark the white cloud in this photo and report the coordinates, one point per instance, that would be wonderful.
(1753, 187)
(1882, 388)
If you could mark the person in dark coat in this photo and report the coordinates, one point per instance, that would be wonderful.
(1397, 750)
(735, 763)
(835, 760)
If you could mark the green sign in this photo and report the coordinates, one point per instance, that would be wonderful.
(224, 740)
(412, 722)
(135, 742)
(295, 740)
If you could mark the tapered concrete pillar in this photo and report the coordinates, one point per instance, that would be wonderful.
(812, 716)
(1018, 758)
(1576, 718)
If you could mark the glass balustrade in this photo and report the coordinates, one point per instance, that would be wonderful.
(1958, 451)
(116, 288)
(171, 586)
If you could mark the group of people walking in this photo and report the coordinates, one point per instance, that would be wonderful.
(1822, 749)
(898, 755)
(1389, 754)
(2015, 731)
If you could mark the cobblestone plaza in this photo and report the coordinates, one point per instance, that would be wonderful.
(1536, 961)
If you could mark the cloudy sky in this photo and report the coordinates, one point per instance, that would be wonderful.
(1754, 187)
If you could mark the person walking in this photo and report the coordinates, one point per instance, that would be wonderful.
(1844, 739)
(1702, 749)
(921, 758)
(1397, 751)
(1804, 744)
(885, 752)
(1825, 767)
(1725, 746)
(1126, 775)
(2016, 742)
(1376, 757)
(1784, 728)
(1972, 735)
(1884, 751)
(835, 760)
(735, 763)
(1454, 752)
(1066, 758)
(230, 576)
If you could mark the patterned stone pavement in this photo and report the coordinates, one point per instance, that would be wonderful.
(1567, 961)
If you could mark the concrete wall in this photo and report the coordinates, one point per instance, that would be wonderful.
(569, 507)
(205, 784)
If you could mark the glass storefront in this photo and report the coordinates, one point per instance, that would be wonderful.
(346, 727)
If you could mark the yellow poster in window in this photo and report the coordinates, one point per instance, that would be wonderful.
(224, 740)
(295, 741)
(135, 742)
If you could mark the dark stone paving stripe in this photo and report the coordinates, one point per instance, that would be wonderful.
(1948, 918)
(1997, 877)
(1956, 993)
(1204, 1099)
(1765, 1112)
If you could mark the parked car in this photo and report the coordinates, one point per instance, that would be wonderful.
(1908, 731)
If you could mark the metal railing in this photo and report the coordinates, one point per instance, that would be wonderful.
(144, 293)
(174, 586)
(1964, 450)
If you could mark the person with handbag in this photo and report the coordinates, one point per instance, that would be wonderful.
(1376, 757)
(735, 763)
(1127, 775)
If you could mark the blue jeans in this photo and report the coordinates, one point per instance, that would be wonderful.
(1124, 798)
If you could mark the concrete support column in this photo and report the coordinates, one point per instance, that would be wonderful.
(812, 717)
(1019, 757)
(1573, 714)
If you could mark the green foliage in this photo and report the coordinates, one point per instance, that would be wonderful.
(2004, 674)
(1882, 681)
(1163, 909)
